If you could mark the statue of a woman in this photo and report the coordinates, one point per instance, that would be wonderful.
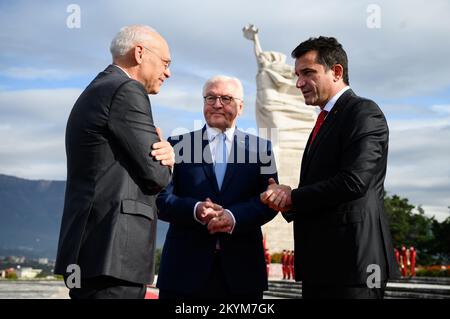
(279, 103)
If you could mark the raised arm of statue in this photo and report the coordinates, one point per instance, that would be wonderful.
(251, 33)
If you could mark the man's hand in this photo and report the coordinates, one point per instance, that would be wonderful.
(163, 151)
(207, 210)
(221, 224)
(277, 197)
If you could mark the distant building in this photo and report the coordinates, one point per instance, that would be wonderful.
(43, 261)
(16, 259)
(27, 273)
(8, 272)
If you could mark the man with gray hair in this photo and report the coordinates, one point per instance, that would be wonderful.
(214, 245)
(116, 164)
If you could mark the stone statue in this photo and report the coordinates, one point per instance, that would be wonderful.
(279, 103)
(284, 118)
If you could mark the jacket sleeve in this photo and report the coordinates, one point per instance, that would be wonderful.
(131, 126)
(175, 209)
(171, 207)
(365, 145)
(252, 213)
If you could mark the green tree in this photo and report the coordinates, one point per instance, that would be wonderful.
(421, 236)
(398, 211)
(441, 244)
(11, 276)
(412, 229)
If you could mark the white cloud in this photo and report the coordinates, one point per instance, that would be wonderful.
(179, 99)
(416, 124)
(440, 213)
(404, 117)
(48, 171)
(406, 56)
(39, 105)
(441, 109)
(32, 126)
(31, 73)
(418, 164)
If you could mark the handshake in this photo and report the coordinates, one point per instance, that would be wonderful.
(277, 197)
(218, 219)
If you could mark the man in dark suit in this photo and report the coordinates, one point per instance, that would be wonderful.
(116, 165)
(337, 208)
(214, 245)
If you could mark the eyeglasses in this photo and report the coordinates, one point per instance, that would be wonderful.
(166, 63)
(225, 100)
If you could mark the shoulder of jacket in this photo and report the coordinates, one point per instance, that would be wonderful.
(251, 137)
(360, 104)
(189, 136)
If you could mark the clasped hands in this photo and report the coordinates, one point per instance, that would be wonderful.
(277, 197)
(215, 216)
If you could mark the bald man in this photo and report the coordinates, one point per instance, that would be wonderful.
(116, 164)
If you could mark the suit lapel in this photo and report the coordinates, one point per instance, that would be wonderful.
(330, 121)
(239, 146)
(304, 160)
(207, 163)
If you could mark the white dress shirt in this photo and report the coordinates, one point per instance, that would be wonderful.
(333, 100)
(212, 133)
(122, 70)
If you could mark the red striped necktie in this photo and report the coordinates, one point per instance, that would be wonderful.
(319, 122)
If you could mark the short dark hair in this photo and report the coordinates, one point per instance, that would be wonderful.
(329, 53)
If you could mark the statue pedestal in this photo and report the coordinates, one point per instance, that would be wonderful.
(279, 233)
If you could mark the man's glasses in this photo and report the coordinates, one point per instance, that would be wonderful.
(225, 100)
(166, 63)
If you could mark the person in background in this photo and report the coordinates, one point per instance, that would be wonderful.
(267, 259)
(291, 264)
(412, 259)
(284, 264)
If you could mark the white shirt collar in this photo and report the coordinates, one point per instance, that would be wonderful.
(213, 132)
(122, 70)
(333, 100)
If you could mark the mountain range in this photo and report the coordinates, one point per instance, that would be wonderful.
(30, 217)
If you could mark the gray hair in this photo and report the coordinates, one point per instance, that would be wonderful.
(224, 78)
(128, 37)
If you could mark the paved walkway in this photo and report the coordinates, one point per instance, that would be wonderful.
(422, 286)
(33, 289)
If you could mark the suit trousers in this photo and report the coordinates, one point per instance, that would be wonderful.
(215, 287)
(313, 291)
(106, 287)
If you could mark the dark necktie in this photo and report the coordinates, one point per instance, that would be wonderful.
(319, 122)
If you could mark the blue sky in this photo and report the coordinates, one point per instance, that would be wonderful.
(402, 65)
